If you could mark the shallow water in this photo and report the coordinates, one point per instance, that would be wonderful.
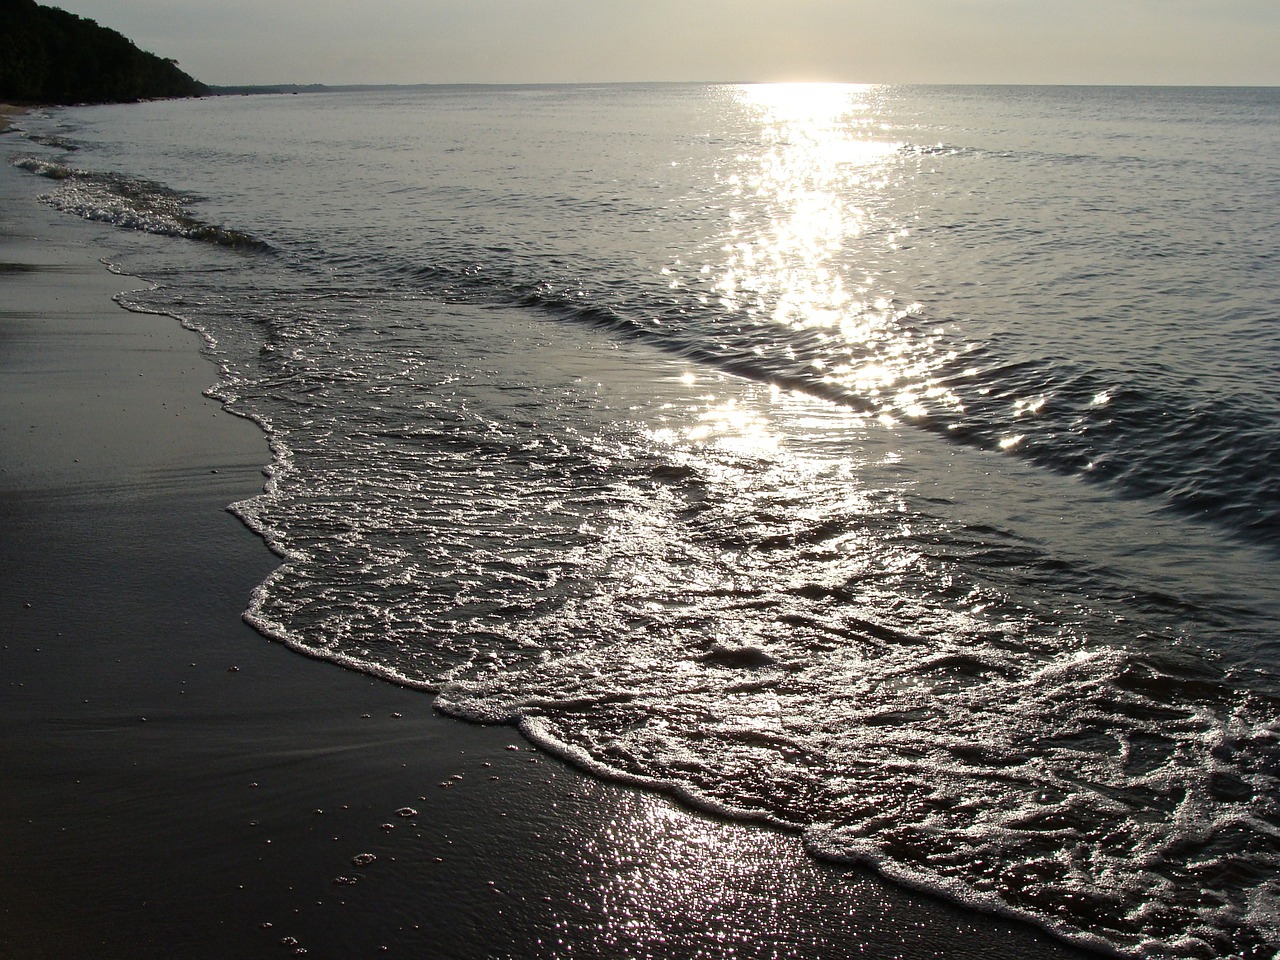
(895, 464)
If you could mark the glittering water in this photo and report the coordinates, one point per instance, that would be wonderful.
(895, 464)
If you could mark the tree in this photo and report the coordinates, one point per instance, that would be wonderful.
(50, 56)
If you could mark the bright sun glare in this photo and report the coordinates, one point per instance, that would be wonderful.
(824, 172)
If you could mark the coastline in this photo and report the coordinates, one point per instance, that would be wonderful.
(179, 786)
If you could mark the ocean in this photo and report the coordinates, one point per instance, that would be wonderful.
(895, 465)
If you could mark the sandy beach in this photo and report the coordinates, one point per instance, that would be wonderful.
(178, 786)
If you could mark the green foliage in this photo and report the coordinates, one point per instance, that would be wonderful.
(51, 56)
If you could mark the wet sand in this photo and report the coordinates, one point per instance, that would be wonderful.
(175, 785)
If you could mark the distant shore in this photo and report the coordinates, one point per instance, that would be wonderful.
(177, 785)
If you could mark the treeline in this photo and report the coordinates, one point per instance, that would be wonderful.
(51, 56)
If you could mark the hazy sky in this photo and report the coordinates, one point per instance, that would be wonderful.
(926, 41)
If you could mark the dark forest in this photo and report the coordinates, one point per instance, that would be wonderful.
(50, 56)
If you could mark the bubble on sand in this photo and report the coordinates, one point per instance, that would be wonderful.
(363, 859)
(406, 812)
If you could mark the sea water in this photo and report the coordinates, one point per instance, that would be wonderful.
(894, 464)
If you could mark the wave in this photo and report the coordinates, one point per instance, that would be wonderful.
(1208, 460)
(133, 204)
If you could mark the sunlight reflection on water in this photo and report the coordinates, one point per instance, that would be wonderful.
(824, 171)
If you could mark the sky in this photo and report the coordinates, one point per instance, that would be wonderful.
(555, 41)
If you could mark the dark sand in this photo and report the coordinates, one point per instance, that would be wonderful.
(177, 786)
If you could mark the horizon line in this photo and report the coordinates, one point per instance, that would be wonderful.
(318, 86)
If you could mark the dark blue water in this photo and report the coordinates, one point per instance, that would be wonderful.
(893, 464)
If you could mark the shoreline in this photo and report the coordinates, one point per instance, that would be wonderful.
(178, 785)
